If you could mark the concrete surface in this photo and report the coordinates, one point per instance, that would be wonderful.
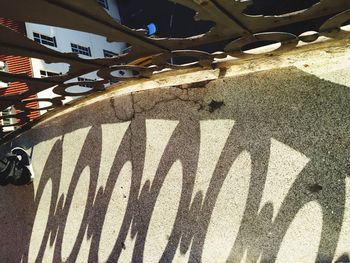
(245, 168)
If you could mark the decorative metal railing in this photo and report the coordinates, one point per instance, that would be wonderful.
(233, 27)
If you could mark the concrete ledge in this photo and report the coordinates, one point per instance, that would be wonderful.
(320, 58)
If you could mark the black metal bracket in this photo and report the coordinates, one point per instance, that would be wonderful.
(16, 168)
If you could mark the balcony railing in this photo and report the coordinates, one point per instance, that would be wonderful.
(235, 31)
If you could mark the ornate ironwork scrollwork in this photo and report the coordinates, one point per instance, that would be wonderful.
(232, 25)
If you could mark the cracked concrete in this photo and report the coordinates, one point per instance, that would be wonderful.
(124, 111)
(148, 100)
(142, 102)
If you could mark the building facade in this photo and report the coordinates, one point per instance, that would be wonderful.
(15, 64)
(87, 45)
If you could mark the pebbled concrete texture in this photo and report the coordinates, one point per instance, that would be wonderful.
(248, 168)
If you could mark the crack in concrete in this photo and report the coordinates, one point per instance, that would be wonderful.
(196, 102)
(127, 116)
(111, 103)
(146, 103)
(211, 107)
(133, 105)
(183, 96)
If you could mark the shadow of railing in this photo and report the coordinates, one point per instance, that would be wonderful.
(112, 204)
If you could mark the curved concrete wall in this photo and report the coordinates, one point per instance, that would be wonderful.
(249, 168)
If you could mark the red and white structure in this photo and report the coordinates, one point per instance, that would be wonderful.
(15, 64)
(87, 45)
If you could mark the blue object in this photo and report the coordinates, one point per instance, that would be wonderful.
(152, 29)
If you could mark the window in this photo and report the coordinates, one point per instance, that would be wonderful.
(81, 50)
(109, 54)
(3, 67)
(8, 111)
(83, 80)
(45, 40)
(126, 50)
(6, 121)
(3, 84)
(45, 74)
(103, 3)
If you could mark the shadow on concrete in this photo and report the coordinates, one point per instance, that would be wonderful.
(300, 110)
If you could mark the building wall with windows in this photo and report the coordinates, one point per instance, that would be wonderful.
(15, 64)
(87, 45)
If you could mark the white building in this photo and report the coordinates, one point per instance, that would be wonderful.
(87, 45)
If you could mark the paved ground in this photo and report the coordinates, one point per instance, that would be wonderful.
(251, 168)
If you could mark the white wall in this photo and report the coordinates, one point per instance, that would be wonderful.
(64, 38)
